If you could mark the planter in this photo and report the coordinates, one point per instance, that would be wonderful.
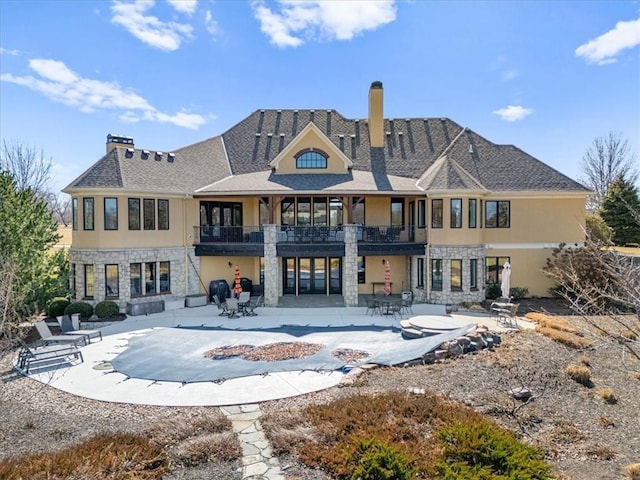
(196, 300)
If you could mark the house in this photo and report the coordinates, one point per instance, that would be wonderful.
(311, 202)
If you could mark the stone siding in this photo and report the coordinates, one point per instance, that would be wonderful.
(457, 252)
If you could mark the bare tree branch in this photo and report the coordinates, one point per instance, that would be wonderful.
(27, 169)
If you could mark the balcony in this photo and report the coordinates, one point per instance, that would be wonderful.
(391, 239)
(231, 240)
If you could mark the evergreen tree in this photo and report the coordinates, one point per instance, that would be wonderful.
(28, 233)
(620, 210)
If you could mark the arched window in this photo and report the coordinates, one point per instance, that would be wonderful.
(311, 159)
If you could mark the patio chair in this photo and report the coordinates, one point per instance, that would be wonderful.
(251, 306)
(47, 338)
(395, 308)
(508, 316)
(373, 306)
(30, 355)
(243, 301)
(222, 307)
(232, 307)
(407, 304)
(76, 330)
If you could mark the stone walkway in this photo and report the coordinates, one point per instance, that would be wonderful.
(257, 461)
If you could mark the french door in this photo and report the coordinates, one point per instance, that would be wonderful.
(312, 275)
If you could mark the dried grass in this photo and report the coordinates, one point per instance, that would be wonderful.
(213, 447)
(601, 452)
(606, 422)
(579, 374)
(551, 321)
(633, 471)
(570, 339)
(566, 432)
(608, 395)
(629, 334)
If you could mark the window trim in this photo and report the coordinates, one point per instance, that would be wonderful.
(152, 213)
(312, 163)
(362, 275)
(129, 213)
(499, 262)
(420, 272)
(167, 289)
(74, 213)
(397, 201)
(499, 205)
(104, 205)
(436, 287)
(473, 212)
(422, 214)
(473, 274)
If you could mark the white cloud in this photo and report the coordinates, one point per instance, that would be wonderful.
(184, 6)
(513, 113)
(166, 36)
(210, 24)
(606, 47)
(4, 51)
(60, 84)
(299, 21)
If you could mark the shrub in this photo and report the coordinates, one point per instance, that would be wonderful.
(83, 308)
(569, 339)
(518, 293)
(551, 321)
(629, 334)
(633, 471)
(480, 450)
(56, 306)
(493, 291)
(107, 309)
(378, 461)
(608, 395)
(606, 422)
(579, 374)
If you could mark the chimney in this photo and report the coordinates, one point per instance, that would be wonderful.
(376, 118)
(114, 141)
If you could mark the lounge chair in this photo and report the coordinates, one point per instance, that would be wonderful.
(71, 326)
(222, 307)
(47, 338)
(51, 354)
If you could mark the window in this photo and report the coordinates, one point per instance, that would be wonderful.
(74, 213)
(361, 270)
(335, 212)
(397, 211)
(264, 211)
(497, 214)
(88, 213)
(456, 274)
(163, 214)
(134, 213)
(473, 273)
(473, 213)
(150, 278)
(456, 213)
(288, 212)
(149, 214)
(358, 211)
(422, 213)
(494, 268)
(135, 279)
(420, 272)
(88, 281)
(436, 274)
(436, 213)
(320, 211)
(165, 277)
(311, 159)
(74, 281)
(110, 213)
(111, 281)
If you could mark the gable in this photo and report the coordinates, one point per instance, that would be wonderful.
(311, 139)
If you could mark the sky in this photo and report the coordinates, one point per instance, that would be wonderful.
(546, 76)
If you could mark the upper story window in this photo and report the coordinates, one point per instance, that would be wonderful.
(110, 213)
(87, 213)
(473, 213)
(397, 212)
(311, 159)
(422, 213)
(497, 214)
(74, 213)
(436, 213)
(456, 213)
(163, 214)
(134, 213)
(149, 213)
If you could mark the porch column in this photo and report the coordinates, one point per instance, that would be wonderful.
(350, 267)
(271, 280)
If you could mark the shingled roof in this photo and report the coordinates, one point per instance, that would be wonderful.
(238, 160)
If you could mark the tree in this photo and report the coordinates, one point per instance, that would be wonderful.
(597, 230)
(32, 270)
(604, 161)
(27, 169)
(620, 209)
(60, 206)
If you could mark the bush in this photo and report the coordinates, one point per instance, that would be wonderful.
(518, 293)
(608, 395)
(378, 461)
(579, 373)
(83, 308)
(493, 291)
(107, 309)
(56, 306)
(633, 471)
(480, 450)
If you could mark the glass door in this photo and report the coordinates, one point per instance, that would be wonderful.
(289, 267)
(335, 283)
(312, 275)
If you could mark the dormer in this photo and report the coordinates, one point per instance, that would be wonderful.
(311, 152)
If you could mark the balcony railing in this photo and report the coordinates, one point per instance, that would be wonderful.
(310, 234)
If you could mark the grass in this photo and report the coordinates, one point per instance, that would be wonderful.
(569, 339)
(108, 457)
(551, 321)
(633, 471)
(425, 436)
(579, 374)
(608, 395)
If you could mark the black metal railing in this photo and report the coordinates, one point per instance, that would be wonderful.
(390, 234)
(310, 234)
(228, 234)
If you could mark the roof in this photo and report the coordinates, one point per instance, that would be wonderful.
(431, 154)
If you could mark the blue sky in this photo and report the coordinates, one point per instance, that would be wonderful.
(546, 76)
